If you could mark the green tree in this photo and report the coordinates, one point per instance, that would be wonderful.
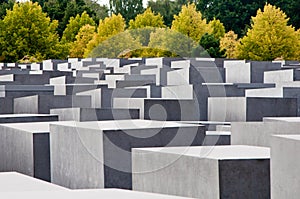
(228, 43)
(5, 5)
(147, 19)
(190, 23)
(217, 28)
(84, 36)
(74, 25)
(107, 28)
(29, 32)
(269, 37)
(129, 9)
(209, 47)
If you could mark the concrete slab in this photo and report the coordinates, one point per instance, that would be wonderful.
(105, 147)
(203, 172)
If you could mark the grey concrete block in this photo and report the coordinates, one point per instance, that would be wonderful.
(105, 148)
(203, 172)
(25, 148)
(285, 164)
(90, 114)
(42, 104)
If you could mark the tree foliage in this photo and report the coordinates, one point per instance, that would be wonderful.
(217, 28)
(29, 36)
(228, 43)
(209, 46)
(269, 37)
(129, 9)
(189, 22)
(107, 28)
(172, 41)
(74, 26)
(84, 36)
(5, 5)
(147, 19)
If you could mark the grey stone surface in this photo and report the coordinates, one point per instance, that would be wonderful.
(42, 104)
(19, 183)
(17, 118)
(91, 114)
(203, 172)
(250, 108)
(285, 164)
(25, 148)
(105, 148)
(259, 133)
(91, 194)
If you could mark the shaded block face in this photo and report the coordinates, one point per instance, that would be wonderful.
(239, 179)
(171, 110)
(106, 150)
(24, 118)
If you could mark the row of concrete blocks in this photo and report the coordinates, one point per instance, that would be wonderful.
(80, 155)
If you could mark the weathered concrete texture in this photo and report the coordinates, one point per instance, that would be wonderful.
(18, 118)
(25, 148)
(250, 109)
(6, 105)
(91, 194)
(16, 182)
(105, 148)
(42, 104)
(91, 114)
(259, 133)
(203, 172)
(285, 165)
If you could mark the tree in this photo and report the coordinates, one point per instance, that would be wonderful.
(269, 37)
(84, 36)
(108, 27)
(167, 8)
(29, 36)
(172, 41)
(5, 5)
(115, 46)
(217, 28)
(127, 8)
(147, 19)
(74, 25)
(63, 10)
(228, 43)
(209, 47)
(190, 23)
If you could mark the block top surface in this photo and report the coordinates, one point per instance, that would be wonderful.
(125, 124)
(31, 127)
(229, 152)
(15, 182)
(25, 115)
(290, 137)
(282, 119)
(91, 194)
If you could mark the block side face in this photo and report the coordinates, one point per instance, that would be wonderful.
(175, 175)
(67, 114)
(244, 178)
(76, 152)
(16, 151)
(257, 108)
(27, 105)
(118, 146)
(41, 154)
(285, 168)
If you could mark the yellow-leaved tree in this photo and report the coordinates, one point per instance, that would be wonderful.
(269, 37)
(190, 23)
(147, 19)
(107, 28)
(217, 28)
(84, 36)
(229, 43)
